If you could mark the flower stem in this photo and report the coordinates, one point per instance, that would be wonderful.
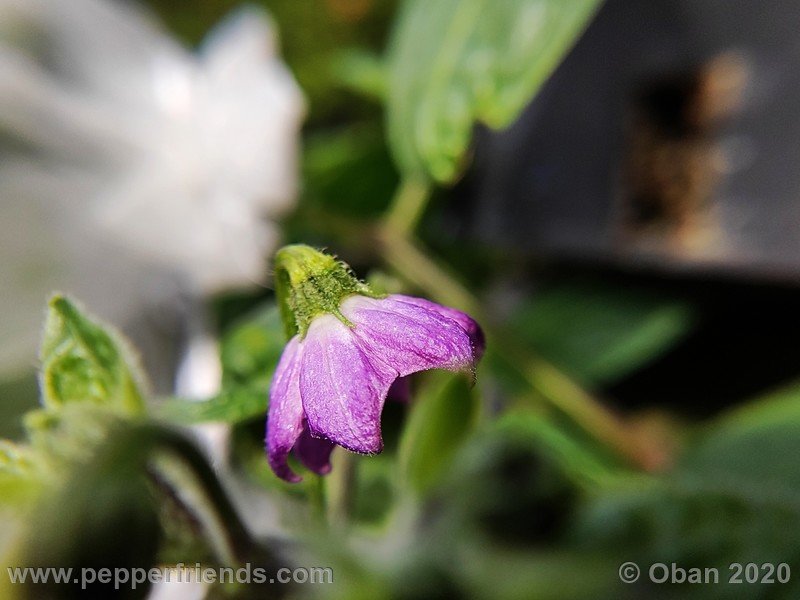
(408, 206)
(404, 256)
(342, 483)
(317, 496)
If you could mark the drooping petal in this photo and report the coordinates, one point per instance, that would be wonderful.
(314, 452)
(467, 323)
(407, 337)
(342, 390)
(285, 419)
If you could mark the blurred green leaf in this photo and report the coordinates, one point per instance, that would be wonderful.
(733, 496)
(599, 333)
(251, 349)
(513, 574)
(103, 516)
(89, 380)
(250, 352)
(775, 408)
(577, 456)
(68, 434)
(231, 406)
(348, 171)
(375, 491)
(443, 416)
(361, 71)
(85, 361)
(455, 62)
(106, 513)
(20, 477)
(745, 453)
(57, 440)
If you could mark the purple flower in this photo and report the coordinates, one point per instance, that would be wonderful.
(330, 384)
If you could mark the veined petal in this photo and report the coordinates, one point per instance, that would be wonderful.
(285, 420)
(466, 322)
(408, 337)
(314, 452)
(343, 392)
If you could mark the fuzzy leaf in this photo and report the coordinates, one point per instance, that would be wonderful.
(20, 479)
(455, 62)
(85, 361)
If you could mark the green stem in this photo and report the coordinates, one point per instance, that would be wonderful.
(405, 257)
(342, 484)
(228, 534)
(572, 400)
(407, 206)
(317, 495)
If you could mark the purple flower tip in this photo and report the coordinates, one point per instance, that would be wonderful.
(330, 386)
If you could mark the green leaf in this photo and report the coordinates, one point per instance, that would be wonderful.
(20, 477)
(361, 71)
(576, 455)
(231, 406)
(751, 451)
(58, 440)
(68, 435)
(88, 382)
(348, 176)
(103, 512)
(733, 496)
(250, 352)
(455, 62)
(515, 574)
(252, 348)
(599, 333)
(443, 416)
(83, 361)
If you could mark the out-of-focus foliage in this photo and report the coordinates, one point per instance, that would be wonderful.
(84, 362)
(89, 380)
(231, 406)
(453, 63)
(92, 471)
(106, 500)
(435, 430)
(249, 352)
(732, 498)
(362, 72)
(599, 333)
(251, 349)
(349, 172)
(481, 492)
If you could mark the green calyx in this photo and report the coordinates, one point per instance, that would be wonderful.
(309, 283)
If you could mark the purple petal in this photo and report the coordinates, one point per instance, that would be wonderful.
(343, 391)
(467, 323)
(407, 337)
(314, 452)
(285, 419)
